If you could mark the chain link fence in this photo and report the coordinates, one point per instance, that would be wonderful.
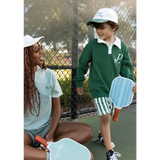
(63, 24)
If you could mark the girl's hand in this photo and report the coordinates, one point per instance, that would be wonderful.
(134, 89)
(80, 90)
(49, 138)
(44, 148)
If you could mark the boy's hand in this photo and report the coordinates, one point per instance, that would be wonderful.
(80, 90)
(134, 89)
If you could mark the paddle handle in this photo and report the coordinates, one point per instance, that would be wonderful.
(41, 140)
(116, 114)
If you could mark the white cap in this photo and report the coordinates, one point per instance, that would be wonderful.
(104, 15)
(29, 41)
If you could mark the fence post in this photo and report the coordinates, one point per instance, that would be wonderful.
(74, 57)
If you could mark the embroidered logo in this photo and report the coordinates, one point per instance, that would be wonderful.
(120, 56)
(99, 14)
(48, 87)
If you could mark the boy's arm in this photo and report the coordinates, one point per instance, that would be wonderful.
(83, 65)
(127, 68)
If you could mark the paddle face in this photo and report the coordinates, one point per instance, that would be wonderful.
(121, 93)
(68, 149)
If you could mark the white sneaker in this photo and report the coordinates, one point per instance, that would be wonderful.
(113, 145)
(114, 156)
(100, 140)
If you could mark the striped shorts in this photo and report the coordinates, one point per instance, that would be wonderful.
(104, 105)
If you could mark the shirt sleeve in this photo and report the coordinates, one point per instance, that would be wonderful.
(83, 65)
(127, 68)
(56, 89)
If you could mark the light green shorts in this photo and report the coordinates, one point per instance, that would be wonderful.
(104, 105)
(41, 132)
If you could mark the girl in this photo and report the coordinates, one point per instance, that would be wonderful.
(41, 102)
(109, 58)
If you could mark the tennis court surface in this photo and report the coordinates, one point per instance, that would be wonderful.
(123, 135)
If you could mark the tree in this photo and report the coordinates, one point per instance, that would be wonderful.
(53, 20)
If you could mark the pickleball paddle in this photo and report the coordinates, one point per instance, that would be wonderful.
(121, 94)
(65, 148)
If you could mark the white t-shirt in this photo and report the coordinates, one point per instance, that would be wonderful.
(48, 87)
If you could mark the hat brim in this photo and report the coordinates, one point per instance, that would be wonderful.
(33, 41)
(96, 21)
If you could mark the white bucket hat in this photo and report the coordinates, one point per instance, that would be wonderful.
(104, 15)
(29, 41)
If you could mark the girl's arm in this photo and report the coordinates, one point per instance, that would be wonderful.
(56, 114)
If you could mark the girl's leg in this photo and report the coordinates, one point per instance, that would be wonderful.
(79, 132)
(31, 153)
(105, 130)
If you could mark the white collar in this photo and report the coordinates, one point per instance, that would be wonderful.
(117, 42)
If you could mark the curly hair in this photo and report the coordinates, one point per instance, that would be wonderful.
(99, 25)
(31, 93)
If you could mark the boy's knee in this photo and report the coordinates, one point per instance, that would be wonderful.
(105, 118)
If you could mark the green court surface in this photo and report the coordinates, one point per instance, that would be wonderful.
(123, 135)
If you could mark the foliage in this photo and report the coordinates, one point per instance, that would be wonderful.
(66, 89)
(66, 97)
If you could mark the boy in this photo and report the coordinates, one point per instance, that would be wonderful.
(109, 58)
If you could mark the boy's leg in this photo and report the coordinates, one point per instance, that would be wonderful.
(105, 130)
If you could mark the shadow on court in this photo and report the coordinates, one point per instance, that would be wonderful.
(123, 135)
